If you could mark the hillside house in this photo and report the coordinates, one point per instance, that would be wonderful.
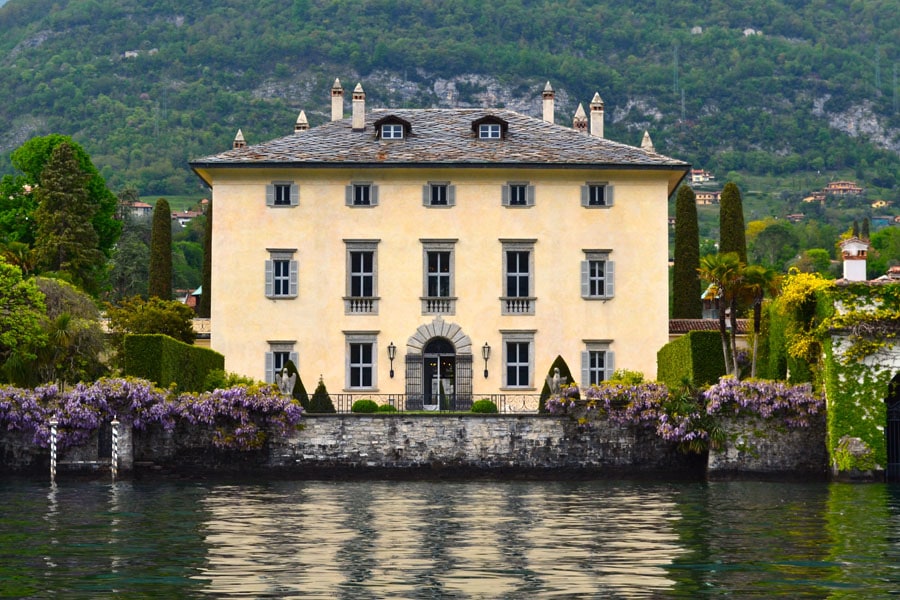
(711, 197)
(843, 188)
(412, 254)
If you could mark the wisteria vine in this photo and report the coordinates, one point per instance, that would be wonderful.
(691, 420)
(240, 418)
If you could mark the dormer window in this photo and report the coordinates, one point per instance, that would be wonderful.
(392, 127)
(489, 131)
(490, 128)
(392, 131)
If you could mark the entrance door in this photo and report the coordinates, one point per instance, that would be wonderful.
(440, 375)
(892, 431)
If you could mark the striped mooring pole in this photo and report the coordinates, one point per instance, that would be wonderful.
(114, 467)
(53, 423)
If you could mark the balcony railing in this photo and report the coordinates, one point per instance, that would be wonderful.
(517, 305)
(362, 305)
(506, 403)
(438, 306)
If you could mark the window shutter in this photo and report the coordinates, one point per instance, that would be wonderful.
(585, 279)
(505, 195)
(295, 358)
(585, 195)
(529, 195)
(426, 195)
(609, 279)
(373, 196)
(349, 195)
(608, 193)
(270, 194)
(585, 365)
(451, 195)
(294, 272)
(270, 367)
(609, 364)
(270, 279)
(295, 194)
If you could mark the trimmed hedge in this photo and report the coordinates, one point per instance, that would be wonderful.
(696, 356)
(164, 361)
(364, 406)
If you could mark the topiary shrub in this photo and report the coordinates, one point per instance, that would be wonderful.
(220, 379)
(364, 406)
(484, 406)
(386, 408)
(299, 393)
(321, 401)
(564, 374)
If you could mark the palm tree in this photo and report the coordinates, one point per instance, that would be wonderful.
(758, 283)
(724, 271)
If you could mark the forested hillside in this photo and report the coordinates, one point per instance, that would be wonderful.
(145, 86)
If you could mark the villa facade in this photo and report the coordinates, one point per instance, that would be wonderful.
(439, 254)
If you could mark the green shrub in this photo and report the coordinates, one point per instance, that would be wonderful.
(695, 357)
(484, 406)
(164, 361)
(219, 379)
(386, 408)
(321, 401)
(364, 406)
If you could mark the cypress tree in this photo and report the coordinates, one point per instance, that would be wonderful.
(321, 401)
(732, 235)
(160, 284)
(66, 240)
(686, 302)
(203, 309)
(864, 232)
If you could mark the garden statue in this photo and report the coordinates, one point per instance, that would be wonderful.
(286, 382)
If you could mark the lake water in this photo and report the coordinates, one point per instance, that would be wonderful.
(373, 539)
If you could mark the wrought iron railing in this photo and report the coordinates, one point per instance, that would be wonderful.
(506, 403)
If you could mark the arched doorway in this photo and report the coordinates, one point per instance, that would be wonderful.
(892, 430)
(439, 370)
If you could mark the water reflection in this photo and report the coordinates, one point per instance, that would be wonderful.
(449, 540)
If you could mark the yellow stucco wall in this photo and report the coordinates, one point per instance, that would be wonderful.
(634, 228)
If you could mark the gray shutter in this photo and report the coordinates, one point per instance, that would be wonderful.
(294, 273)
(529, 195)
(295, 194)
(451, 195)
(585, 277)
(609, 195)
(504, 197)
(585, 366)
(349, 195)
(295, 358)
(373, 195)
(585, 195)
(609, 365)
(426, 195)
(270, 279)
(270, 367)
(609, 279)
(270, 194)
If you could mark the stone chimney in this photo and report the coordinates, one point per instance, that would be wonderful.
(302, 124)
(647, 143)
(239, 141)
(597, 116)
(580, 122)
(337, 101)
(359, 108)
(853, 252)
(548, 95)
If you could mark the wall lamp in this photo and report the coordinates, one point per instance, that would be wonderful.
(392, 353)
(485, 354)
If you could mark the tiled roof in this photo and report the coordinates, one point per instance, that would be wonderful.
(442, 136)
(681, 326)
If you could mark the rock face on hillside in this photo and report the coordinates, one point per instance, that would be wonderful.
(859, 120)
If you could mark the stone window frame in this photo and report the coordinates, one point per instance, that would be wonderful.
(438, 305)
(589, 372)
(277, 257)
(354, 191)
(354, 305)
(357, 339)
(278, 351)
(517, 194)
(518, 337)
(432, 187)
(276, 190)
(589, 192)
(589, 279)
(518, 305)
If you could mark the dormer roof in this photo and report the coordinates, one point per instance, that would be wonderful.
(491, 120)
(392, 119)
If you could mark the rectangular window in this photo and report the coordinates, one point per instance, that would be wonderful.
(361, 360)
(277, 357)
(596, 363)
(282, 193)
(597, 195)
(518, 359)
(362, 277)
(438, 272)
(282, 274)
(489, 131)
(362, 194)
(518, 277)
(392, 132)
(438, 194)
(518, 194)
(597, 275)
